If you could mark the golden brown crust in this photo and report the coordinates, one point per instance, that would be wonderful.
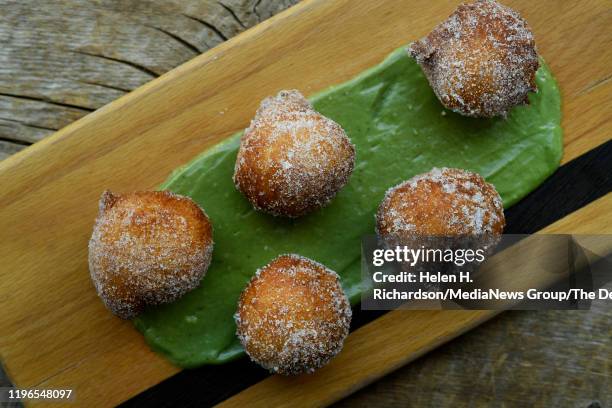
(292, 160)
(293, 316)
(147, 248)
(481, 61)
(442, 202)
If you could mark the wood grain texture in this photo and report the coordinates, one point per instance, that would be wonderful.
(518, 359)
(57, 331)
(62, 59)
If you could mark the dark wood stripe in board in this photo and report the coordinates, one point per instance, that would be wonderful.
(571, 187)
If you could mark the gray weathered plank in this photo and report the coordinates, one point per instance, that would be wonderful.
(556, 358)
(61, 59)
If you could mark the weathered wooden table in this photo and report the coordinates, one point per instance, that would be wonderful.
(60, 60)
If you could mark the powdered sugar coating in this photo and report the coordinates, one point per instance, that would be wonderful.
(147, 248)
(293, 316)
(441, 202)
(481, 61)
(292, 160)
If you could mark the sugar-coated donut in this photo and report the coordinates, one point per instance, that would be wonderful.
(442, 202)
(292, 160)
(293, 316)
(147, 248)
(481, 61)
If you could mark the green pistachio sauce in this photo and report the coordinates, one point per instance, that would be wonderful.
(399, 129)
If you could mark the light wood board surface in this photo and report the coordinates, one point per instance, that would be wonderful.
(56, 332)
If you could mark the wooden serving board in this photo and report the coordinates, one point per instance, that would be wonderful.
(54, 331)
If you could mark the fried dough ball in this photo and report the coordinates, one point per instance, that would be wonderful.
(292, 160)
(481, 61)
(442, 202)
(147, 248)
(293, 316)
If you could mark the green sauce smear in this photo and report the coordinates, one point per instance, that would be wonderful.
(399, 130)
